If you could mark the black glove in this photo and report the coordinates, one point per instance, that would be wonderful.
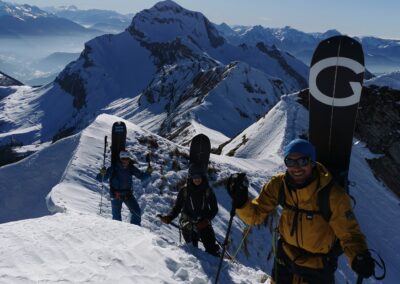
(237, 188)
(363, 264)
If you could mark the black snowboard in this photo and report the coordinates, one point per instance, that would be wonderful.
(335, 82)
(200, 149)
(118, 140)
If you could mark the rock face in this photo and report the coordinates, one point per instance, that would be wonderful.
(6, 81)
(378, 125)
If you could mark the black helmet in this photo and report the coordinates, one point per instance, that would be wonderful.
(196, 170)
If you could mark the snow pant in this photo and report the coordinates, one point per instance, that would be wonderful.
(206, 235)
(130, 201)
(286, 271)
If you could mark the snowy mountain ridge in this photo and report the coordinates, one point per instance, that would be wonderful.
(26, 20)
(22, 12)
(75, 192)
(381, 55)
(391, 80)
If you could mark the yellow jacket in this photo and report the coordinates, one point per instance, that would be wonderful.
(314, 235)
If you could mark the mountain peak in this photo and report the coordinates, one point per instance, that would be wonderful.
(168, 5)
(166, 21)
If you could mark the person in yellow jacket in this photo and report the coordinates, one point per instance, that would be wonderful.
(307, 249)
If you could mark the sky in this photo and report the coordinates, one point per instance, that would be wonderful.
(356, 17)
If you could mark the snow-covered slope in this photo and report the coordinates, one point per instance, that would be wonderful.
(82, 248)
(391, 80)
(77, 192)
(33, 115)
(286, 121)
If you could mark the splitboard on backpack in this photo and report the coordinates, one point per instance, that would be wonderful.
(335, 85)
(118, 140)
(200, 149)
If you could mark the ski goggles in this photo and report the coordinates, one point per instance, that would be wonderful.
(299, 162)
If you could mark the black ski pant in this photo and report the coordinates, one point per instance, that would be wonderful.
(206, 235)
(284, 270)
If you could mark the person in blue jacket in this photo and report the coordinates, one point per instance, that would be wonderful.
(120, 176)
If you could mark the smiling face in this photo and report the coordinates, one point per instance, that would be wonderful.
(125, 162)
(197, 180)
(298, 172)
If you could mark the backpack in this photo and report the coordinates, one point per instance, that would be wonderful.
(322, 202)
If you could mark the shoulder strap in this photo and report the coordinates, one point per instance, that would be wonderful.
(324, 202)
(185, 193)
(208, 192)
(281, 194)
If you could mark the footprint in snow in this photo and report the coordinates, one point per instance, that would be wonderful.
(182, 274)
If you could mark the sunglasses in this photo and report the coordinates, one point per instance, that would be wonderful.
(299, 162)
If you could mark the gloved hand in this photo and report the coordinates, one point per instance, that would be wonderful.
(149, 169)
(166, 219)
(237, 188)
(363, 264)
(103, 171)
(202, 224)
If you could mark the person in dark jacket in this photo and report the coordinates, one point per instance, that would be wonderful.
(120, 176)
(197, 204)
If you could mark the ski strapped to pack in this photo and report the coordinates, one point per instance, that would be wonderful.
(102, 176)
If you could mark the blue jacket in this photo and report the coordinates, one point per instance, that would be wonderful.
(121, 178)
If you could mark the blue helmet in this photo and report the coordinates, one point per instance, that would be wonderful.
(301, 146)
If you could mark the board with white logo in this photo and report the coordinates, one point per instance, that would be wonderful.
(335, 85)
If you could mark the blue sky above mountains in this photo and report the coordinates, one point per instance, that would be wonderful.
(356, 17)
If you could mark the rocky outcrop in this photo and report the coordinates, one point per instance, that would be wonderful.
(379, 126)
(275, 53)
(215, 39)
(6, 81)
(74, 85)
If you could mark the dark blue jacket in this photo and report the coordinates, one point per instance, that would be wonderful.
(121, 178)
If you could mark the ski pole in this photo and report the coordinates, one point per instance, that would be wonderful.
(172, 223)
(102, 176)
(225, 243)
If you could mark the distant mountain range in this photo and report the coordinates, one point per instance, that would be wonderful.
(25, 20)
(104, 20)
(381, 55)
